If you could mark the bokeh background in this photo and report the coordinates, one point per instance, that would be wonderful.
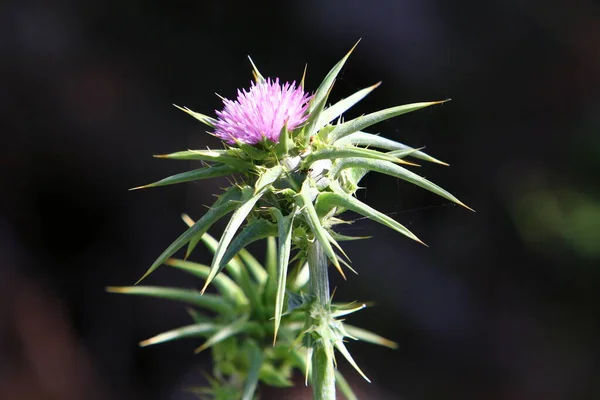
(504, 304)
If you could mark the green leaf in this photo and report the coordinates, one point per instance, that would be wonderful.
(343, 238)
(189, 331)
(190, 296)
(284, 248)
(368, 139)
(285, 144)
(365, 121)
(252, 151)
(197, 316)
(336, 110)
(267, 178)
(256, 229)
(271, 256)
(233, 266)
(388, 168)
(213, 171)
(336, 153)
(219, 156)
(271, 267)
(342, 349)
(223, 206)
(258, 271)
(319, 100)
(344, 387)
(256, 360)
(262, 185)
(225, 332)
(327, 200)
(302, 277)
(222, 282)
(368, 336)
(206, 120)
(304, 201)
(347, 309)
(327, 83)
(303, 76)
(272, 376)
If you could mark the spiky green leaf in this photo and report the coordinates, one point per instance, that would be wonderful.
(368, 139)
(225, 332)
(233, 267)
(339, 345)
(218, 156)
(205, 119)
(190, 296)
(336, 110)
(327, 200)
(365, 121)
(189, 331)
(388, 168)
(213, 171)
(223, 206)
(256, 269)
(369, 337)
(319, 100)
(256, 229)
(345, 152)
(238, 217)
(227, 287)
(257, 75)
(284, 246)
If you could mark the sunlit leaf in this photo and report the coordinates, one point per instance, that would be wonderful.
(336, 110)
(368, 139)
(205, 119)
(284, 246)
(370, 337)
(225, 332)
(342, 349)
(223, 206)
(388, 168)
(222, 282)
(257, 75)
(238, 217)
(218, 156)
(189, 331)
(327, 200)
(319, 100)
(214, 171)
(365, 121)
(256, 229)
(345, 152)
(190, 296)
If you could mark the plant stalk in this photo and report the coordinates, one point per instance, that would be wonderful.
(322, 366)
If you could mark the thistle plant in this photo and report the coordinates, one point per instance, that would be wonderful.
(295, 166)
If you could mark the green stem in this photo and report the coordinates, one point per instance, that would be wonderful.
(322, 369)
(319, 278)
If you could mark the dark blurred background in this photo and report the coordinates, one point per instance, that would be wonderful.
(504, 304)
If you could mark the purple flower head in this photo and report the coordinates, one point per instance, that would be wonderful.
(261, 112)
